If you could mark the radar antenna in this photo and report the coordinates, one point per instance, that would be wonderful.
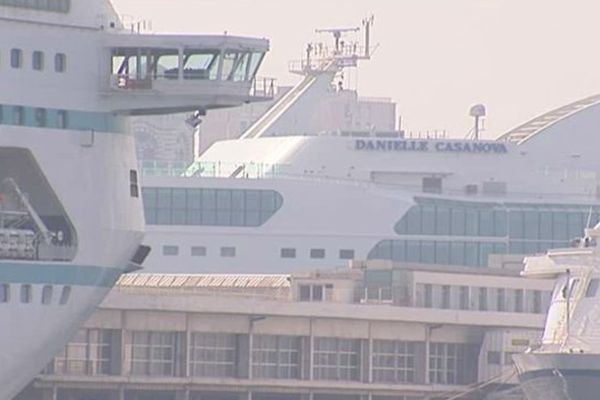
(347, 49)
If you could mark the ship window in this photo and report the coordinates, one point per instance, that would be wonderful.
(40, 117)
(26, 293)
(62, 120)
(288, 252)
(170, 250)
(4, 293)
(432, 184)
(198, 251)
(60, 62)
(346, 254)
(317, 253)
(134, 190)
(65, 295)
(47, 294)
(18, 115)
(37, 61)
(494, 357)
(592, 289)
(16, 58)
(227, 251)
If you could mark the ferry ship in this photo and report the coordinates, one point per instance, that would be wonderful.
(566, 365)
(284, 198)
(71, 216)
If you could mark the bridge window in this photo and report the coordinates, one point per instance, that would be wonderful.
(37, 60)
(16, 58)
(200, 64)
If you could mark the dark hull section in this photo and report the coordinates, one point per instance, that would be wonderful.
(561, 384)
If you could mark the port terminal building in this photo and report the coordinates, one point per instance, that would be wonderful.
(374, 330)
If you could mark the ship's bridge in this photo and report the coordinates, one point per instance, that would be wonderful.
(152, 74)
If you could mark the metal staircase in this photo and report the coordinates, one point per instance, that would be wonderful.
(262, 125)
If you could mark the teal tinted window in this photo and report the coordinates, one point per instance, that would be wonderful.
(575, 223)
(442, 220)
(217, 207)
(472, 222)
(457, 221)
(512, 228)
(500, 223)
(442, 252)
(486, 222)
(531, 225)
(457, 253)
(428, 255)
(428, 220)
(515, 224)
(413, 251)
(546, 225)
(61, 6)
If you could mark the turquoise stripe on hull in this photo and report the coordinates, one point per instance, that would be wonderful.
(72, 120)
(58, 274)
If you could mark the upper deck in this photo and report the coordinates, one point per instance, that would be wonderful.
(152, 74)
(99, 64)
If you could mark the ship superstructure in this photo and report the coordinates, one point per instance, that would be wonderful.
(285, 202)
(565, 366)
(71, 217)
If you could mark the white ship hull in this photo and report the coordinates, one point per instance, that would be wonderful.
(90, 178)
(559, 376)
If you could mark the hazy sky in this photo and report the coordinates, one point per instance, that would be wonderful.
(435, 58)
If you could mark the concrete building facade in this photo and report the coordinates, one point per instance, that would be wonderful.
(371, 332)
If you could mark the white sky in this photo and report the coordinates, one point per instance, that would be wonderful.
(436, 57)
